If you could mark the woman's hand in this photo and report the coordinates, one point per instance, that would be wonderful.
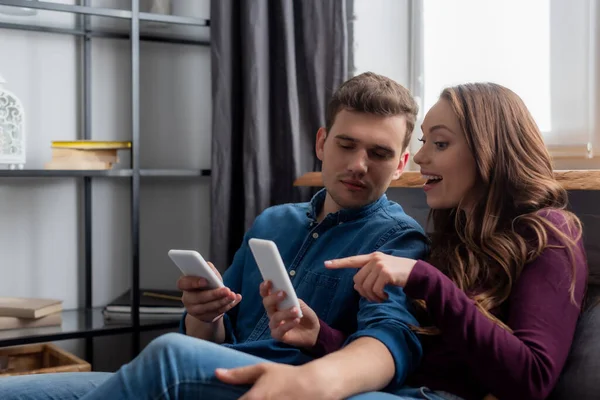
(285, 325)
(376, 271)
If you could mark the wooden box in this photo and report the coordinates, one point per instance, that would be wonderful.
(41, 358)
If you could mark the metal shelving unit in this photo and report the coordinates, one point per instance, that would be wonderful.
(87, 323)
(111, 173)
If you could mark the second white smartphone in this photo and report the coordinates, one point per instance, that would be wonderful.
(271, 267)
(191, 263)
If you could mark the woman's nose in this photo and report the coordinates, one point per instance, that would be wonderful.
(419, 156)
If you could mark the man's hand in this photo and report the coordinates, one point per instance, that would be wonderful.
(277, 381)
(206, 305)
(285, 325)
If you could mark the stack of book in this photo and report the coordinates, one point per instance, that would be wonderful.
(155, 306)
(19, 313)
(85, 154)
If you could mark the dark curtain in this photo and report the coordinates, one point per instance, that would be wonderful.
(275, 63)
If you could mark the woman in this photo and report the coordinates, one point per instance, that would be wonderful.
(503, 287)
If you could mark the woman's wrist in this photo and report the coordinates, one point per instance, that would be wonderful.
(316, 334)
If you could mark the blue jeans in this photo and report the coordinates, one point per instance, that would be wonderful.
(173, 366)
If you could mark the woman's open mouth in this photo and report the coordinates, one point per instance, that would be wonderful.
(432, 181)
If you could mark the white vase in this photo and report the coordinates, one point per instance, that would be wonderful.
(158, 7)
(161, 7)
(12, 129)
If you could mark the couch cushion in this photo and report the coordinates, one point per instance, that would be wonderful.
(580, 378)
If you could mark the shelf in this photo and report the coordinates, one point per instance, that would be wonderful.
(174, 19)
(175, 173)
(106, 12)
(70, 8)
(59, 173)
(150, 37)
(570, 179)
(77, 324)
(111, 173)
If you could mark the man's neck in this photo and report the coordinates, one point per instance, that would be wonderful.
(329, 207)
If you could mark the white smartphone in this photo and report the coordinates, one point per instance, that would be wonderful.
(191, 263)
(271, 267)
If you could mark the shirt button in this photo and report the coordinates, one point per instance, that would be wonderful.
(292, 273)
(315, 235)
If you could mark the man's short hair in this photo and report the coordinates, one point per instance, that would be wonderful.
(374, 94)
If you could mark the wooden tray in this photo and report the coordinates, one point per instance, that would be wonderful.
(41, 358)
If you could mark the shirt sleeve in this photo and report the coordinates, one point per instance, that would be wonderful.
(390, 321)
(328, 340)
(527, 363)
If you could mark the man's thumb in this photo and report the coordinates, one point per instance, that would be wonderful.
(240, 376)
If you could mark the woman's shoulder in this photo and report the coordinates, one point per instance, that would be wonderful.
(564, 238)
(561, 222)
(564, 255)
(555, 215)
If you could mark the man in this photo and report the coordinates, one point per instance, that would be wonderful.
(362, 148)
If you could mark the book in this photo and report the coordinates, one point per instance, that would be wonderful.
(102, 155)
(91, 144)
(80, 164)
(24, 307)
(152, 301)
(54, 319)
(66, 154)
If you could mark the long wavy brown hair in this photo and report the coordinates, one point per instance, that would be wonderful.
(484, 248)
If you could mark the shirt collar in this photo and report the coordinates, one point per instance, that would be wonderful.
(346, 214)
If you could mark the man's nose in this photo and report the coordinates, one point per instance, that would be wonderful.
(359, 163)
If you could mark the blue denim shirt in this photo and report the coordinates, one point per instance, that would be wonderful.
(304, 245)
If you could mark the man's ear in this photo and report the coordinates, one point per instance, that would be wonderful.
(320, 144)
(401, 164)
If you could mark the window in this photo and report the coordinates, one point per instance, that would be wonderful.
(474, 40)
(541, 49)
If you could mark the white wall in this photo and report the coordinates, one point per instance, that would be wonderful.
(382, 35)
(381, 32)
(41, 237)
